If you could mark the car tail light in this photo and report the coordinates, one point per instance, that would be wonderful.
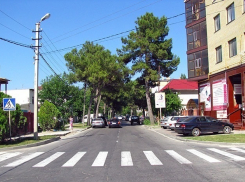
(182, 125)
(119, 122)
(170, 124)
(108, 122)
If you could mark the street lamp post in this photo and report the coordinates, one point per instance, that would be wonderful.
(36, 75)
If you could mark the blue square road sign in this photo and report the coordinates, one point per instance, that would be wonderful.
(9, 104)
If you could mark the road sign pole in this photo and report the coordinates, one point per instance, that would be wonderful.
(9, 126)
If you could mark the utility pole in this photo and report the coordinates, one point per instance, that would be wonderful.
(159, 91)
(36, 75)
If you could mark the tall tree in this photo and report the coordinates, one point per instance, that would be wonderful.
(147, 48)
(95, 66)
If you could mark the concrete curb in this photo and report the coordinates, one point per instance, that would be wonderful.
(31, 145)
(191, 141)
(43, 142)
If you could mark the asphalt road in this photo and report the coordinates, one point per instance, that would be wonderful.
(131, 153)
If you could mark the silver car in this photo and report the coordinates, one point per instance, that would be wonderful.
(174, 120)
(164, 122)
(98, 122)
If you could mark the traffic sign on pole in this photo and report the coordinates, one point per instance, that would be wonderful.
(9, 104)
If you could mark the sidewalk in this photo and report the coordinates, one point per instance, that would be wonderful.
(172, 134)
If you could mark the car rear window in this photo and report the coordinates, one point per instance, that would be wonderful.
(188, 120)
(97, 119)
(174, 118)
(182, 118)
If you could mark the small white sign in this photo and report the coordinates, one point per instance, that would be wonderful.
(222, 114)
(160, 100)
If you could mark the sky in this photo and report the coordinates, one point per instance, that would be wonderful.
(71, 24)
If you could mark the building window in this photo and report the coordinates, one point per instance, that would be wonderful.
(198, 63)
(217, 23)
(232, 47)
(230, 13)
(32, 100)
(219, 54)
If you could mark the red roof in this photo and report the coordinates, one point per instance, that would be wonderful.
(181, 84)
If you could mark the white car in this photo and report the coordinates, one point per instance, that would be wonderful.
(164, 122)
(174, 120)
(120, 117)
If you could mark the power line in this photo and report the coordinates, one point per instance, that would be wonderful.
(15, 20)
(16, 43)
(100, 19)
(108, 21)
(14, 31)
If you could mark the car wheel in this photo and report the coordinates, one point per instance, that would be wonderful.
(164, 127)
(227, 130)
(196, 132)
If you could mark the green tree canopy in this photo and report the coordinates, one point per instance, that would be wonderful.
(148, 49)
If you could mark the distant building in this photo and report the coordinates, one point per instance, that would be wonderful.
(187, 90)
(25, 98)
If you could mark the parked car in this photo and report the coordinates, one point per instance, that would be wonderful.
(174, 120)
(115, 122)
(98, 122)
(196, 125)
(164, 122)
(120, 117)
(104, 119)
(135, 119)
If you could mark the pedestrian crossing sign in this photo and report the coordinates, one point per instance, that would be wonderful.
(9, 104)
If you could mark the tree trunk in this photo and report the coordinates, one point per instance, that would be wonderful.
(90, 106)
(98, 104)
(148, 100)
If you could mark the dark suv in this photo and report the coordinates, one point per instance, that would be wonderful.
(135, 119)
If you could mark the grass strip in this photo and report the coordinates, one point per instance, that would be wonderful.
(231, 138)
(24, 141)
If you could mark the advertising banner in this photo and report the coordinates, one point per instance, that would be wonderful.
(205, 95)
(220, 98)
(160, 100)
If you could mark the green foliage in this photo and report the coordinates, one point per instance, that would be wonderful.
(147, 49)
(48, 116)
(18, 121)
(147, 122)
(67, 98)
(173, 102)
(182, 76)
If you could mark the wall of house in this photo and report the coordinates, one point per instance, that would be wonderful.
(24, 97)
(227, 32)
(186, 95)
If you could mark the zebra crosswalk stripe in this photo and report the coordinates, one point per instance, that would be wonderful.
(237, 149)
(234, 157)
(24, 159)
(203, 156)
(72, 162)
(100, 159)
(178, 157)
(152, 158)
(2, 153)
(126, 159)
(49, 159)
(8, 155)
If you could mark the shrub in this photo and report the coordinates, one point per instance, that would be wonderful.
(147, 122)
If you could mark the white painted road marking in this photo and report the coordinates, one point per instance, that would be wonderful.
(126, 159)
(100, 159)
(203, 156)
(8, 155)
(74, 159)
(178, 157)
(235, 157)
(49, 159)
(2, 153)
(24, 159)
(237, 149)
(152, 158)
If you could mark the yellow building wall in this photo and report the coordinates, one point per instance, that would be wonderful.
(227, 32)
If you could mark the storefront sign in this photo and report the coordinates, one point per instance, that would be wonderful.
(220, 98)
(205, 95)
(222, 114)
